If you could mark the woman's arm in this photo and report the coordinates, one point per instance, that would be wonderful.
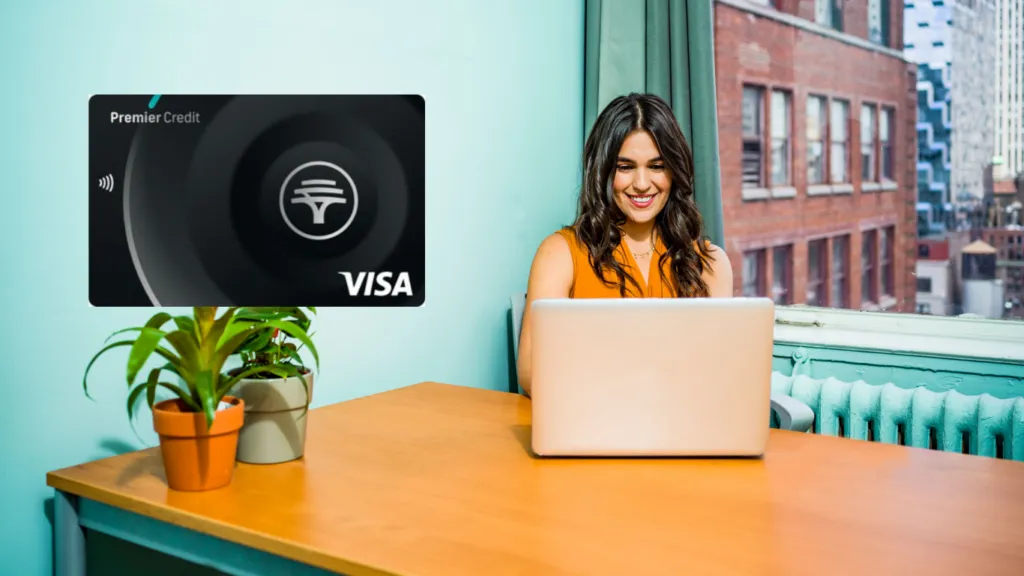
(550, 277)
(719, 280)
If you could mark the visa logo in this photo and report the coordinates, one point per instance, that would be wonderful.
(377, 284)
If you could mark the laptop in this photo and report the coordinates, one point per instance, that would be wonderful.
(652, 376)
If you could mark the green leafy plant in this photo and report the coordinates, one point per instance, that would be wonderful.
(275, 353)
(197, 349)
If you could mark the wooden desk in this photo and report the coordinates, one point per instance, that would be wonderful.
(437, 480)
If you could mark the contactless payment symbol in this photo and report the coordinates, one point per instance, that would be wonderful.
(318, 200)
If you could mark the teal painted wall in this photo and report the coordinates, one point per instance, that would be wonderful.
(968, 376)
(503, 84)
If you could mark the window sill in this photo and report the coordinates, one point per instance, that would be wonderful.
(890, 186)
(753, 194)
(829, 189)
(891, 331)
(870, 187)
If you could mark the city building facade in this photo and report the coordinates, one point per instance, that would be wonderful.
(1009, 89)
(818, 143)
(953, 43)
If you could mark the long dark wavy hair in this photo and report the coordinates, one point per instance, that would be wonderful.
(599, 220)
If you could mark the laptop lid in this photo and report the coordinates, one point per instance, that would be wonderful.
(651, 377)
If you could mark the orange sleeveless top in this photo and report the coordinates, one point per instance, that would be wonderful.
(586, 284)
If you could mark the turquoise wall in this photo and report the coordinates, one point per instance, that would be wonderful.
(503, 84)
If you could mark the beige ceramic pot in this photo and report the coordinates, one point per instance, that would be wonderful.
(275, 419)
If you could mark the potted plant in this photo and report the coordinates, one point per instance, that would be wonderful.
(198, 426)
(275, 384)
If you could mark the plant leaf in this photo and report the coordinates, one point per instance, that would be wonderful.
(207, 395)
(298, 334)
(185, 324)
(145, 343)
(184, 344)
(88, 367)
(204, 316)
(209, 342)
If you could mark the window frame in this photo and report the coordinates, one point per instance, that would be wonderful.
(839, 298)
(869, 266)
(845, 143)
(886, 262)
(821, 284)
(786, 292)
(760, 289)
(870, 148)
(787, 122)
(823, 138)
(759, 139)
(885, 145)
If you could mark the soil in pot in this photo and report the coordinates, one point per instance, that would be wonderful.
(195, 457)
(275, 419)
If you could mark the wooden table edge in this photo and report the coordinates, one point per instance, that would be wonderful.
(215, 528)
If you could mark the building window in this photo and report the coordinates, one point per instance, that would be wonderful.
(817, 123)
(885, 126)
(753, 273)
(878, 21)
(817, 269)
(780, 121)
(829, 13)
(782, 274)
(753, 125)
(840, 267)
(839, 160)
(924, 285)
(868, 266)
(886, 251)
(867, 142)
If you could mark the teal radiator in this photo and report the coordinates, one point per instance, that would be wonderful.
(947, 420)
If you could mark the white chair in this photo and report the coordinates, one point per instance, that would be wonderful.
(792, 413)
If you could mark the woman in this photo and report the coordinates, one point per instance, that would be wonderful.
(638, 233)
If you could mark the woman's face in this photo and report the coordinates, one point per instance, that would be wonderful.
(642, 180)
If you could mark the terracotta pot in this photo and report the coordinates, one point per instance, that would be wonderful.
(196, 457)
(275, 418)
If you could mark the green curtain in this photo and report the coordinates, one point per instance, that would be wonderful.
(665, 47)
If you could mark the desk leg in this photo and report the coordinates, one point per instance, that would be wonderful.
(68, 536)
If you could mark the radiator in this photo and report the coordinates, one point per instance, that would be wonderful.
(949, 421)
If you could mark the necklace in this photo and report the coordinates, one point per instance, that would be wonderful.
(639, 255)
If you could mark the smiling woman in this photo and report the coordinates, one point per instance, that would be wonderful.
(638, 232)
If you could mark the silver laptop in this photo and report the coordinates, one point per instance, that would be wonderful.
(651, 377)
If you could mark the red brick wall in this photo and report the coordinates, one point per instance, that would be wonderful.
(855, 17)
(750, 49)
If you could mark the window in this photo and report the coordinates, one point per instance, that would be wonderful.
(753, 273)
(753, 151)
(867, 142)
(782, 274)
(829, 13)
(817, 269)
(840, 266)
(817, 122)
(868, 269)
(878, 21)
(780, 130)
(885, 125)
(838, 129)
(885, 260)
(924, 284)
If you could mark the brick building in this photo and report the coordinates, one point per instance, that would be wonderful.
(1009, 245)
(818, 148)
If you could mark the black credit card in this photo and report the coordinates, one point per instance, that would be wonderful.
(256, 200)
